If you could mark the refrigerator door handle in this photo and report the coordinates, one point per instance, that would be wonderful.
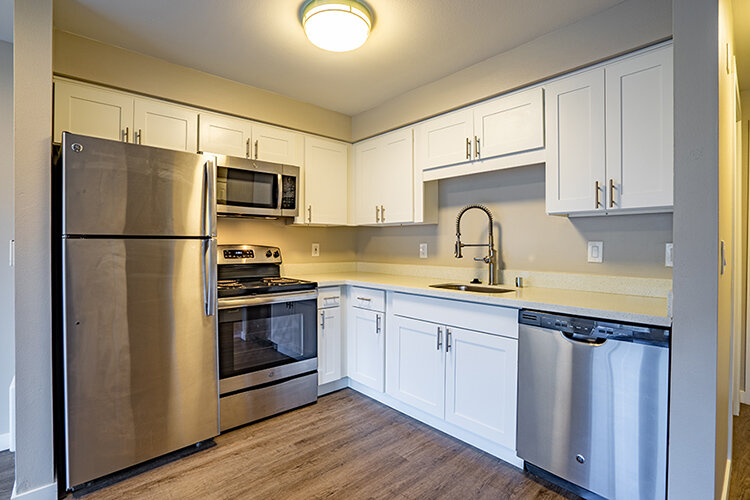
(208, 261)
(209, 199)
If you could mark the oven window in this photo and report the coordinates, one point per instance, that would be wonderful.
(242, 188)
(258, 337)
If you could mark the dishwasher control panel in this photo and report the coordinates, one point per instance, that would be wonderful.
(583, 328)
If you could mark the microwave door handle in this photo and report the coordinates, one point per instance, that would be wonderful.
(279, 203)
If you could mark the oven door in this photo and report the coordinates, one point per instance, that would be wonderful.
(266, 338)
(246, 187)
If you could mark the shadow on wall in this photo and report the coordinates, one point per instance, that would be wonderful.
(526, 237)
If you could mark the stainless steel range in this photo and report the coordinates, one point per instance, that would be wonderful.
(267, 336)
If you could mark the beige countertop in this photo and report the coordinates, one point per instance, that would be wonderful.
(626, 308)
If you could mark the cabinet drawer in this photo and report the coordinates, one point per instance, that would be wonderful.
(480, 317)
(367, 298)
(329, 297)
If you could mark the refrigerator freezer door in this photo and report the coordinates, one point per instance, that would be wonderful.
(140, 351)
(116, 188)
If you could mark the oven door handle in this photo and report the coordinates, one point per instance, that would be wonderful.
(273, 298)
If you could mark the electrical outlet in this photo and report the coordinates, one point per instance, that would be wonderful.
(316, 249)
(596, 248)
(669, 255)
(423, 250)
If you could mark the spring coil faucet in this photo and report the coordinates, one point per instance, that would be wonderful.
(490, 258)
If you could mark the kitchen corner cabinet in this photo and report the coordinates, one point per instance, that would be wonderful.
(329, 335)
(325, 182)
(227, 135)
(609, 138)
(510, 126)
(89, 110)
(366, 338)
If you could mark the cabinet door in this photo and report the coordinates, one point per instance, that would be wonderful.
(415, 364)
(445, 140)
(366, 341)
(575, 143)
(329, 345)
(639, 131)
(395, 178)
(277, 145)
(508, 125)
(325, 182)
(86, 110)
(165, 125)
(225, 135)
(366, 160)
(481, 384)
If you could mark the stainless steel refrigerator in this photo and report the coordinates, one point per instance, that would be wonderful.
(138, 304)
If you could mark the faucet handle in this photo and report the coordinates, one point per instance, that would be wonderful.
(457, 253)
(486, 260)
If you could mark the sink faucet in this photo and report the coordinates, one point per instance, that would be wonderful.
(490, 258)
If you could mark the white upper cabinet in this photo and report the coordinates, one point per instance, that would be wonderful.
(640, 132)
(575, 143)
(87, 110)
(385, 181)
(225, 135)
(619, 164)
(445, 140)
(165, 125)
(509, 124)
(325, 178)
(277, 145)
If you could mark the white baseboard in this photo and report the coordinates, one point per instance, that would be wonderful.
(5, 441)
(727, 475)
(334, 386)
(46, 492)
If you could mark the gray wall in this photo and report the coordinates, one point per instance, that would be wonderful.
(693, 426)
(7, 334)
(32, 56)
(526, 237)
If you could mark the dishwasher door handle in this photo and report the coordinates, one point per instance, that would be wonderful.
(584, 339)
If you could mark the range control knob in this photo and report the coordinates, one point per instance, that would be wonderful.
(276, 254)
(268, 254)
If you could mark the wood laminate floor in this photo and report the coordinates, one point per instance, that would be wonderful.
(346, 446)
(739, 482)
(7, 474)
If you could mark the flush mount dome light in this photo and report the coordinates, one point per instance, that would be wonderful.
(336, 25)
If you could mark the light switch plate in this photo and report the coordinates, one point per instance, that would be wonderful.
(596, 248)
(669, 255)
(316, 249)
(423, 250)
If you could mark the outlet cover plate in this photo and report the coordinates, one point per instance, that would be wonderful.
(669, 255)
(423, 250)
(316, 249)
(596, 248)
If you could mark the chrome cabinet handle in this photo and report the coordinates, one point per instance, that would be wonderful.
(596, 190)
(247, 148)
(468, 149)
(322, 320)
(256, 149)
(439, 337)
(447, 340)
(476, 147)
(377, 213)
(127, 134)
(138, 136)
(382, 213)
(377, 323)
(309, 213)
(611, 193)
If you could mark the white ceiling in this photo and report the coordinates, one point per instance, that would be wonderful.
(261, 42)
(6, 21)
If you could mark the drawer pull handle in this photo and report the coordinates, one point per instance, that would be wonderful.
(368, 299)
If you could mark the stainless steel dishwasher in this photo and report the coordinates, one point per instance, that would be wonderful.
(592, 404)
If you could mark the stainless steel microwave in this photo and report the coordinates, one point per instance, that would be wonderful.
(255, 188)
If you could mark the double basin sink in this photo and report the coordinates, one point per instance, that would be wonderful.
(473, 288)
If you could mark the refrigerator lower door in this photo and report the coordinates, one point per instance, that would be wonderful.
(115, 188)
(140, 358)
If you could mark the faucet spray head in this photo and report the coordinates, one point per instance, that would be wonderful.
(457, 252)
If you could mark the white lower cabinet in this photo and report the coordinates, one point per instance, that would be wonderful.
(329, 335)
(366, 348)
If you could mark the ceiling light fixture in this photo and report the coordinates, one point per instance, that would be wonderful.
(336, 25)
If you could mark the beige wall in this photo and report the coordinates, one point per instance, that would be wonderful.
(624, 27)
(7, 331)
(527, 238)
(337, 244)
(97, 62)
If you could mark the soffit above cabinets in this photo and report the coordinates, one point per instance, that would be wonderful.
(261, 43)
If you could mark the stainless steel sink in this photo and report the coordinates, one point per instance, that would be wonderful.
(473, 288)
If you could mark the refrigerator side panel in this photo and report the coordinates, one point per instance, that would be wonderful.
(139, 351)
(116, 188)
